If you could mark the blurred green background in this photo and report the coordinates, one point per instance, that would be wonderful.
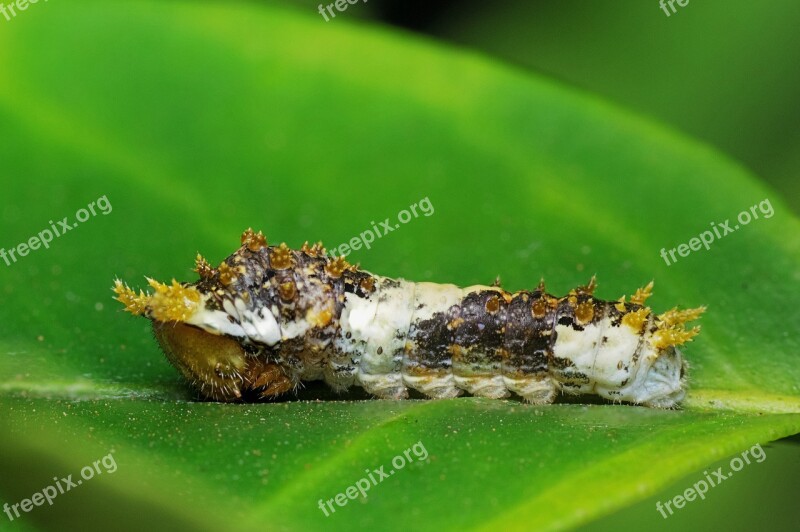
(722, 71)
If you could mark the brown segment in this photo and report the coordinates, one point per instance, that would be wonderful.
(313, 300)
(480, 335)
(529, 335)
(430, 340)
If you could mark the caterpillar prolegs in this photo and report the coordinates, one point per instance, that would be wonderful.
(270, 317)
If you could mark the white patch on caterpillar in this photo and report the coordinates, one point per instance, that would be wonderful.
(613, 364)
(258, 325)
(380, 369)
(580, 348)
(430, 298)
(215, 322)
(266, 326)
(300, 325)
(294, 328)
(354, 329)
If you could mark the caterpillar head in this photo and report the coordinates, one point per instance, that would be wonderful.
(654, 373)
(215, 364)
(663, 383)
(665, 369)
(202, 343)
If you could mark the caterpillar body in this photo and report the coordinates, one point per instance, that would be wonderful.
(270, 317)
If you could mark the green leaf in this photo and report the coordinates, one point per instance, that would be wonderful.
(196, 121)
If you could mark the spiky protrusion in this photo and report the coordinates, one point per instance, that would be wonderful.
(320, 249)
(203, 268)
(280, 257)
(315, 250)
(642, 294)
(671, 331)
(636, 319)
(338, 266)
(134, 303)
(671, 336)
(252, 240)
(675, 317)
(589, 288)
(173, 302)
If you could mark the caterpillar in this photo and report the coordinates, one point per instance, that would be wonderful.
(269, 317)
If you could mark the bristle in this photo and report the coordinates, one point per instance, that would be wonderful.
(589, 288)
(675, 317)
(673, 336)
(636, 319)
(173, 302)
(134, 303)
(203, 268)
(642, 294)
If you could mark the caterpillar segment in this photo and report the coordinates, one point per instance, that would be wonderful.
(270, 317)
